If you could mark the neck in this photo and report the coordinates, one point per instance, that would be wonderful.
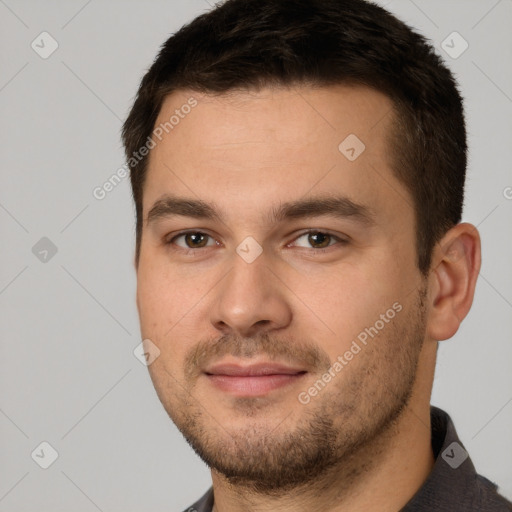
(382, 476)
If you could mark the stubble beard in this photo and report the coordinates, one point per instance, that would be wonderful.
(340, 432)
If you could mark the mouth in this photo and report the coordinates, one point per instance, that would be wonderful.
(253, 380)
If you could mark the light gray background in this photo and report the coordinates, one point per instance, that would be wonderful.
(69, 325)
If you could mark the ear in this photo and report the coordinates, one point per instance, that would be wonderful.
(455, 266)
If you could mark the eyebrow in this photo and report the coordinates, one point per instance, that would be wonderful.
(335, 206)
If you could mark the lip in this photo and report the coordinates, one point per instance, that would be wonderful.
(236, 370)
(253, 380)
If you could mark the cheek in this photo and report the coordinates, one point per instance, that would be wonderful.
(152, 303)
(168, 313)
(160, 295)
(345, 301)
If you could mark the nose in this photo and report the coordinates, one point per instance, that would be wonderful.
(251, 299)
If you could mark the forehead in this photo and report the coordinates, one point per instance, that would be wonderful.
(293, 114)
(257, 148)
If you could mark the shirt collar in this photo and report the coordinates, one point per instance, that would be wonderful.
(451, 483)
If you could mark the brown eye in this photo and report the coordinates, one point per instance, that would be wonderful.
(319, 240)
(195, 239)
(192, 240)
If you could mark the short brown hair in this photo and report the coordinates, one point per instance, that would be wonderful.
(250, 44)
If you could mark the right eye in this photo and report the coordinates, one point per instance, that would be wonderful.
(191, 240)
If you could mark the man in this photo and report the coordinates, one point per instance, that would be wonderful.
(298, 173)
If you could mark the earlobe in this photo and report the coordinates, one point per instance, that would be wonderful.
(455, 266)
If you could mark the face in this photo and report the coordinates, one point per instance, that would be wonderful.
(278, 279)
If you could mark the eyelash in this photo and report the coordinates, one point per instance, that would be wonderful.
(341, 241)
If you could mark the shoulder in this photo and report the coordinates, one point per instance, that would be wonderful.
(454, 484)
(488, 498)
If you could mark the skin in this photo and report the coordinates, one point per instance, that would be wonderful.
(246, 154)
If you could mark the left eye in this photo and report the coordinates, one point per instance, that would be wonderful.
(318, 239)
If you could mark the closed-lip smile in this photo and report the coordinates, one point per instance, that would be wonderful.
(253, 379)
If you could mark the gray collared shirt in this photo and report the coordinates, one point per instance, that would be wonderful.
(453, 484)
